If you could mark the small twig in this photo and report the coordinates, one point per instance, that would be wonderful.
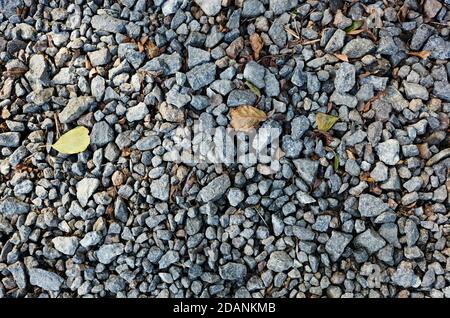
(58, 134)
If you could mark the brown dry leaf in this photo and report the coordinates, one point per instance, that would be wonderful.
(16, 72)
(87, 63)
(257, 44)
(140, 47)
(422, 54)
(152, 49)
(403, 12)
(143, 39)
(342, 57)
(246, 117)
(350, 154)
(126, 152)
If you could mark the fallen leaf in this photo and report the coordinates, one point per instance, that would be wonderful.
(422, 54)
(87, 63)
(325, 122)
(253, 88)
(336, 161)
(74, 141)
(355, 32)
(246, 117)
(403, 12)
(257, 44)
(350, 154)
(152, 49)
(354, 26)
(342, 57)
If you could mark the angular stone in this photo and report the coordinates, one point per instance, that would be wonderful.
(108, 252)
(85, 189)
(11, 206)
(215, 189)
(241, 97)
(370, 240)
(210, 7)
(388, 151)
(233, 271)
(45, 279)
(160, 188)
(358, 48)
(108, 23)
(336, 245)
(197, 56)
(279, 261)
(99, 57)
(66, 244)
(10, 139)
(101, 134)
(345, 77)
(307, 169)
(371, 206)
(254, 73)
(75, 108)
(201, 75)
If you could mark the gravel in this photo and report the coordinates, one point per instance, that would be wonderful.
(149, 209)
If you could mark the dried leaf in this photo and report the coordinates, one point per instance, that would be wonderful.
(140, 47)
(355, 32)
(74, 141)
(257, 44)
(246, 117)
(152, 49)
(325, 122)
(350, 154)
(87, 63)
(403, 12)
(422, 54)
(16, 72)
(342, 57)
(354, 26)
(253, 88)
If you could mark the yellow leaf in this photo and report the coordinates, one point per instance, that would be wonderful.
(325, 122)
(246, 117)
(342, 57)
(74, 141)
(422, 54)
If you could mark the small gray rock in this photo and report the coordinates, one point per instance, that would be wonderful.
(233, 271)
(307, 169)
(388, 151)
(215, 189)
(280, 261)
(358, 48)
(107, 253)
(370, 240)
(45, 279)
(85, 189)
(75, 108)
(12, 206)
(66, 245)
(371, 206)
